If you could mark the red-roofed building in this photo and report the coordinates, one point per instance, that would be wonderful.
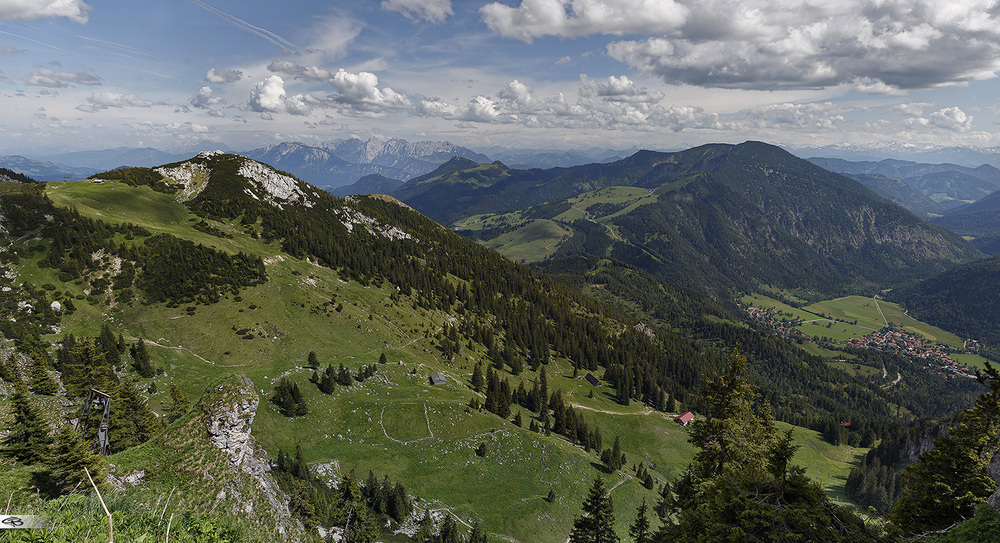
(684, 418)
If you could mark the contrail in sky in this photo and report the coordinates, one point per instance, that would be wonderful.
(29, 39)
(263, 33)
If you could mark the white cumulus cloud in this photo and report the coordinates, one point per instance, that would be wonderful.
(219, 77)
(814, 116)
(880, 47)
(951, 118)
(29, 10)
(269, 96)
(109, 99)
(434, 11)
(360, 92)
(618, 89)
(572, 18)
(913, 109)
(205, 98)
(44, 77)
(309, 73)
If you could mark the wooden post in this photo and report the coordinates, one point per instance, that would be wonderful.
(111, 526)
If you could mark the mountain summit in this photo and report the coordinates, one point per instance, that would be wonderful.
(717, 215)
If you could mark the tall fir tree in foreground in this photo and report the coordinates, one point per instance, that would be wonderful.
(597, 524)
(741, 485)
(71, 456)
(28, 441)
(639, 530)
(945, 484)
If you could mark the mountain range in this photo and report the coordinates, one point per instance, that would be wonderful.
(947, 185)
(343, 162)
(727, 216)
(326, 325)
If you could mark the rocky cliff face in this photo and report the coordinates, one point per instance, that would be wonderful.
(229, 410)
(229, 422)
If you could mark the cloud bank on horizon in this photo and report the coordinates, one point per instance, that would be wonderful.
(551, 73)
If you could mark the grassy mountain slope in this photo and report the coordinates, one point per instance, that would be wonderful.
(305, 307)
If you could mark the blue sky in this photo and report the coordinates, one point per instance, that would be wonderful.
(175, 74)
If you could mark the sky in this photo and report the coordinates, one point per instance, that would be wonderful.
(543, 74)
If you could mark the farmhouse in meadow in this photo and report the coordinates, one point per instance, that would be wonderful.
(437, 378)
(685, 418)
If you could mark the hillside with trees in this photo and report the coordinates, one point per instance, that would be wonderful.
(221, 293)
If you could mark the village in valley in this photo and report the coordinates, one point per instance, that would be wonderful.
(891, 339)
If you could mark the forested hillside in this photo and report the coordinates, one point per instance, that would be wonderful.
(332, 315)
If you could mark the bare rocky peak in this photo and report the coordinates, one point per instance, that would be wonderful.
(276, 187)
(371, 150)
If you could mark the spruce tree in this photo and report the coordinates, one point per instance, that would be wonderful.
(424, 532)
(42, 381)
(639, 530)
(178, 405)
(71, 456)
(134, 409)
(597, 524)
(108, 344)
(28, 441)
(477, 535)
(946, 483)
(477, 378)
(449, 530)
(140, 360)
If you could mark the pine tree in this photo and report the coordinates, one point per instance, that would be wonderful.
(137, 414)
(596, 525)
(312, 361)
(424, 532)
(178, 405)
(71, 456)
(449, 530)
(141, 361)
(42, 381)
(477, 535)
(28, 441)
(946, 483)
(477, 378)
(639, 530)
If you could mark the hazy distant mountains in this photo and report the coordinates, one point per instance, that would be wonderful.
(966, 156)
(331, 165)
(525, 159)
(109, 159)
(42, 170)
(947, 186)
(342, 162)
(369, 184)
